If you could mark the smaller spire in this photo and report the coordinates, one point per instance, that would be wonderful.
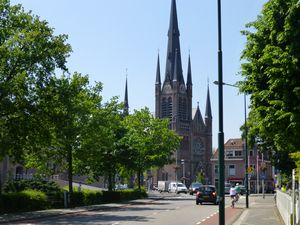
(208, 105)
(189, 73)
(158, 81)
(126, 105)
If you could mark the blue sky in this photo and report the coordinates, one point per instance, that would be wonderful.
(110, 36)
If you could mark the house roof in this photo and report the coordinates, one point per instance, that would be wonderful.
(232, 143)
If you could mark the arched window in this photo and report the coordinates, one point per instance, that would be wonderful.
(182, 108)
(170, 106)
(164, 108)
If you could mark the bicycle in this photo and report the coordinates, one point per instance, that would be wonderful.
(234, 200)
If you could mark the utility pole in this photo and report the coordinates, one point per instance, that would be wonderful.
(221, 132)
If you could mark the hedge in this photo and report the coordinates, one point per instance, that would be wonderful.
(27, 200)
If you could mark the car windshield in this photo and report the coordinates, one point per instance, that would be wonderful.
(196, 185)
(180, 185)
(207, 189)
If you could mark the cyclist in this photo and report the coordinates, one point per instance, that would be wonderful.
(238, 191)
(232, 193)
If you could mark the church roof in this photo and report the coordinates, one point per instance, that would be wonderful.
(198, 117)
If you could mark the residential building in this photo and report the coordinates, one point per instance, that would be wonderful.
(259, 167)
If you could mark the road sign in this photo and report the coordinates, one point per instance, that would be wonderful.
(262, 176)
(250, 169)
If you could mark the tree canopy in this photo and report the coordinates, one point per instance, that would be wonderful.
(30, 56)
(272, 77)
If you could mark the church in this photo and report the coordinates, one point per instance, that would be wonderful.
(173, 100)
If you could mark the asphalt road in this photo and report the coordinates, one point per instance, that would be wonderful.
(172, 210)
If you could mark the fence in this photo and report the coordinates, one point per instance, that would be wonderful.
(284, 204)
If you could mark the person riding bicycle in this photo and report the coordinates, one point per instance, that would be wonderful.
(238, 191)
(232, 193)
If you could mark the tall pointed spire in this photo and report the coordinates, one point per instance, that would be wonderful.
(208, 106)
(189, 73)
(176, 69)
(173, 44)
(158, 71)
(126, 105)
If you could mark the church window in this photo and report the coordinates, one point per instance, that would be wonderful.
(170, 106)
(182, 108)
(164, 108)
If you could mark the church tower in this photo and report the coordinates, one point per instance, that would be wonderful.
(173, 100)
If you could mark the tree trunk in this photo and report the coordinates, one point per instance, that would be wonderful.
(139, 179)
(70, 171)
(110, 183)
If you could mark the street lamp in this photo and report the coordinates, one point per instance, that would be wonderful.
(183, 170)
(246, 145)
(221, 132)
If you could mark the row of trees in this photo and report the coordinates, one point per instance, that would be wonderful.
(271, 69)
(62, 120)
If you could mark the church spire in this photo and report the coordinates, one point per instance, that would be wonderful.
(208, 106)
(189, 73)
(173, 46)
(126, 105)
(158, 71)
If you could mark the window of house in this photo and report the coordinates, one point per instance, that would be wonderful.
(216, 169)
(231, 171)
(229, 153)
(238, 153)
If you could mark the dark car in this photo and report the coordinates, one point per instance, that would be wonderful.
(207, 193)
(194, 187)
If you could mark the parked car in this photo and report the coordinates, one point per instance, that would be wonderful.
(207, 193)
(194, 187)
(177, 187)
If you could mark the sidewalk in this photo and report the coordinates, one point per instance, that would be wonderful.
(261, 211)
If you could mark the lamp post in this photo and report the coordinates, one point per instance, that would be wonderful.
(183, 170)
(221, 132)
(245, 145)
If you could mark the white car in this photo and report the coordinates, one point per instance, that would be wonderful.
(177, 187)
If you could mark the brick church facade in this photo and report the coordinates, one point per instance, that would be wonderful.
(173, 100)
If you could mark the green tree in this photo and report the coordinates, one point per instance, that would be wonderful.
(200, 177)
(150, 142)
(67, 105)
(271, 71)
(100, 151)
(30, 55)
